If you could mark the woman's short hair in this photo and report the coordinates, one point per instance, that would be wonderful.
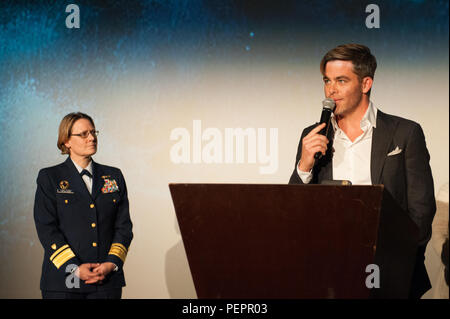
(65, 129)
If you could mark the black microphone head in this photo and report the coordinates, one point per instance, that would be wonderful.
(329, 104)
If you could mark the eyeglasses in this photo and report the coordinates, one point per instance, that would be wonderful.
(85, 134)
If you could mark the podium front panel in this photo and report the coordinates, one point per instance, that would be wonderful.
(278, 241)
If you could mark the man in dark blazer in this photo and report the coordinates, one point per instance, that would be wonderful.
(367, 146)
(82, 218)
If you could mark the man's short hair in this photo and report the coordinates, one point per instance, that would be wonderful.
(65, 129)
(364, 63)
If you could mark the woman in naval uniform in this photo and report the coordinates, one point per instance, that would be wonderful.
(82, 218)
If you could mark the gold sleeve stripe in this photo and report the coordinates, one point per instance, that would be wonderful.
(118, 250)
(62, 258)
(58, 251)
(120, 246)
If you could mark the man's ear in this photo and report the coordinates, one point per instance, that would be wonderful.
(366, 84)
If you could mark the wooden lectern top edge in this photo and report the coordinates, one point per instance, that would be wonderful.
(273, 184)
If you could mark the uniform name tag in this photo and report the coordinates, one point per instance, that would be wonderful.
(64, 191)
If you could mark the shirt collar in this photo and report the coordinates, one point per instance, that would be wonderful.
(80, 169)
(369, 117)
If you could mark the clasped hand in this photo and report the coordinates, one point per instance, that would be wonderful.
(92, 273)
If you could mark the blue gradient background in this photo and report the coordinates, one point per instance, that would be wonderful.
(47, 71)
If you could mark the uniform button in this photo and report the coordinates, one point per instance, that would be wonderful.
(66, 201)
(94, 244)
(114, 200)
(91, 206)
(93, 225)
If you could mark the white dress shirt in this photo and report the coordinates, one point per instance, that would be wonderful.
(351, 160)
(87, 180)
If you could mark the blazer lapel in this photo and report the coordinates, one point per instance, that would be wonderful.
(77, 183)
(327, 172)
(97, 181)
(326, 163)
(327, 169)
(381, 141)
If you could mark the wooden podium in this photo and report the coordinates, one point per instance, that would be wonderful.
(294, 241)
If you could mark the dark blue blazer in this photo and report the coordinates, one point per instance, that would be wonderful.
(406, 176)
(76, 227)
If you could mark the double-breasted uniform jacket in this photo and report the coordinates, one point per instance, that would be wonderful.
(76, 227)
(406, 176)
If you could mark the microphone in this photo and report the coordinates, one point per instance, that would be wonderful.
(328, 108)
